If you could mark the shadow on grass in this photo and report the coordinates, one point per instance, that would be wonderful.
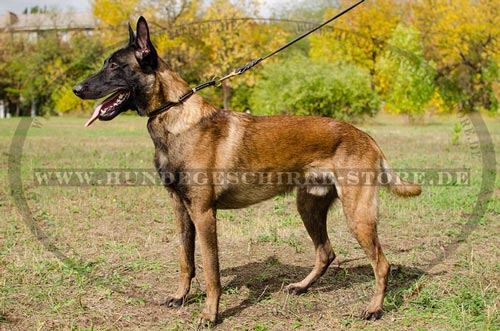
(265, 278)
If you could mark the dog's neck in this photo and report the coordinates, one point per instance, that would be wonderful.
(178, 119)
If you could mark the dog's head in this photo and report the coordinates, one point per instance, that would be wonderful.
(126, 77)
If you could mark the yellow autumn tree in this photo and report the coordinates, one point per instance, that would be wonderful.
(359, 37)
(114, 15)
(463, 38)
(236, 39)
(177, 37)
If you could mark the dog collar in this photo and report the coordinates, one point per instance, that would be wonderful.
(183, 98)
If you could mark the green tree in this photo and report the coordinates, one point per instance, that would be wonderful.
(83, 56)
(38, 75)
(32, 73)
(406, 80)
(304, 87)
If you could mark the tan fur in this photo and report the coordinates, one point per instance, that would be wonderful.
(197, 136)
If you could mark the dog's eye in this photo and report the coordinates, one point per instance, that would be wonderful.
(113, 65)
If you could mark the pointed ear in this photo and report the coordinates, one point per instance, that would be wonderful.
(144, 52)
(131, 35)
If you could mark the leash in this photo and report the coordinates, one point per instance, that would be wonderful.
(250, 65)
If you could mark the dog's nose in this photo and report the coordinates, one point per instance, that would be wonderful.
(78, 89)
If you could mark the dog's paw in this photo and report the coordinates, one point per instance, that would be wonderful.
(372, 314)
(295, 289)
(172, 301)
(206, 321)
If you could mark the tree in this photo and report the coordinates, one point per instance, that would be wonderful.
(361, 36)
(82, 57)
(304, 87)
(9, 85)
(37, 76)
(406, 79)
(31, 76)
(171, 23)
(35, 10)
(238, 42)
(113, 16)
(463, 38)
(177, 39)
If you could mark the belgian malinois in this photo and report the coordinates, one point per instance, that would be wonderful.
(193, 136)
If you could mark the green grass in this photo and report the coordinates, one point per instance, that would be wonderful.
(109, 253)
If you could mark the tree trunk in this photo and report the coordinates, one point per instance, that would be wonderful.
(373, 70)
(2, 109)
(33, 107)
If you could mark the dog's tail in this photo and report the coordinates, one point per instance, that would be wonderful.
(395, 184)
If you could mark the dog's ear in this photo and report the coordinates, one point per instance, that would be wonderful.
(144, 49)
(131, 35)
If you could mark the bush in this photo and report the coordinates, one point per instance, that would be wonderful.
(303, 87)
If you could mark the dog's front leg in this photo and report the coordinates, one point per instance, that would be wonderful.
(204, 220)
(186, 232)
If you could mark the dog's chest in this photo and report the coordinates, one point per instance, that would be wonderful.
(165, 169)
(161, 160)
(170, 170)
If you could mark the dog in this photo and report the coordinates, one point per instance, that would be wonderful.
(317, 154)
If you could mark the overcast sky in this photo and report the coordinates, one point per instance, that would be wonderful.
(17, 6)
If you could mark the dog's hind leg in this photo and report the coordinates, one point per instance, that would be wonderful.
(186, 232)
(314, 209)
(360, 205)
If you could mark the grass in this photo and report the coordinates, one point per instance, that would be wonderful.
(109, 255)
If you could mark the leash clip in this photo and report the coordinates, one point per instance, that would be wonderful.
(217, 80)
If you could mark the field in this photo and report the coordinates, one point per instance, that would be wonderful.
(103, 257)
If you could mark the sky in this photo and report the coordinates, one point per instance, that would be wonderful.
(17, 6)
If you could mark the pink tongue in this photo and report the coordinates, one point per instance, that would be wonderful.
(95, 116)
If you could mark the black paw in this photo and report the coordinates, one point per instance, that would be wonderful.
(173, 302)
(294, 289)
(371, 315)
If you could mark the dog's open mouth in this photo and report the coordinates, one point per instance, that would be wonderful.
(109, 108)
